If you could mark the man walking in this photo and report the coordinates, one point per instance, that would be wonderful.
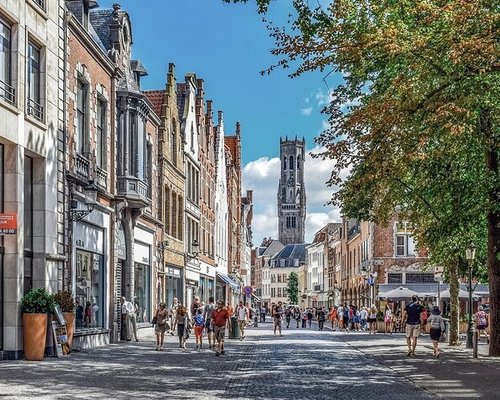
(131, 319)
(173, 312)
(220, 317)
(209, 327)
(124, 322)
(411, 321)
(277, 314)
(242, 314)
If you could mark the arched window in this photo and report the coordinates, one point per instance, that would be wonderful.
(284, 163)
(298, 162)
(291, 163)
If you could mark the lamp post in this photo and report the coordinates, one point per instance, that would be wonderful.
(90, 195)
(470, 253)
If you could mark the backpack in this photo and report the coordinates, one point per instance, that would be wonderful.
(481, 319)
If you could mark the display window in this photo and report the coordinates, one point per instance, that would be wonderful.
(142, 289)
(89, 290)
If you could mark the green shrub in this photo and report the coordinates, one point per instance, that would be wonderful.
(65, 301)
(37, 301)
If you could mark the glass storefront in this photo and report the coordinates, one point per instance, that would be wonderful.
(89, 290)
(173, 285)
(142, 295)
(206, 289)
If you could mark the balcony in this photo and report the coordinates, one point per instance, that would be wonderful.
(7, 93)
(134, 191)
(82, 167)
(35, 110)
(101, 178)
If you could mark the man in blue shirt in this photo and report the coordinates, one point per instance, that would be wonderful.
(412, 324)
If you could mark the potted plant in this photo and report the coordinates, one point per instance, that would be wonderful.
(65, 300)
(35, 305)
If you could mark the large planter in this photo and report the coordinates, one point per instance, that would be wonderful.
(70, 326)
(34, 335)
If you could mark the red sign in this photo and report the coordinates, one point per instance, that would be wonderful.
(8, 223)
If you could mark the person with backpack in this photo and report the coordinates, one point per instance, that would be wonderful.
(207, 316)
(288, 317)
(199, 324)
(436, 329)
(481, 319)
(309, 317)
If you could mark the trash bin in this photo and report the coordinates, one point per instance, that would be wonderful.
(255, 321)
(234, 330)
(446, 335)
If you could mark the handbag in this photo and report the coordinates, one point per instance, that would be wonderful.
(154, 320)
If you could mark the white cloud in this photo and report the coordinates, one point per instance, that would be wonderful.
(306, 111)
(262, 177)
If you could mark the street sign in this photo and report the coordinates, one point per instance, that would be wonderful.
(8, 223)
(248, 290)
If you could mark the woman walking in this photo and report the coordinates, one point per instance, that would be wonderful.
(436, 324)
(372, 319)
(181, 322)
(161, 325)
(388, 319)
(332, 316)
(481, 319)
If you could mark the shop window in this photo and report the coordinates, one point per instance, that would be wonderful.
(142, 289)
(89, 290)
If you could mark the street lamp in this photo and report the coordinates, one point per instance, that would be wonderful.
(90, 194)
(470, 253)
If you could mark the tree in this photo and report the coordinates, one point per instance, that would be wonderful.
(293, 288)
(422, 132)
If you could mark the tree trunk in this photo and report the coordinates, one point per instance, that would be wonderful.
(453, 339)
(493, 260)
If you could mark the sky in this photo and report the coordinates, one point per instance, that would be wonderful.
(227, 45)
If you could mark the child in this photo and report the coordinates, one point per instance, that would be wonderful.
(199, 323)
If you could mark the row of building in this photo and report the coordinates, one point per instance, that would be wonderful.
(349, 262)
(110, 190)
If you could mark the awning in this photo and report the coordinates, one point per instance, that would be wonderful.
(233, 284)
(430, 289)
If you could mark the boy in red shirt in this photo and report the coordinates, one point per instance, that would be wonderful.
(220, 316)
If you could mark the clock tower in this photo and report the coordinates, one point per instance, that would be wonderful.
(292, 192)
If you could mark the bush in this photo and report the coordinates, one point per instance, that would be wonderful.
(37, 301)
(380, 316)
(65, 301)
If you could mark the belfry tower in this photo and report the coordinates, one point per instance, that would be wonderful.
(292, 192)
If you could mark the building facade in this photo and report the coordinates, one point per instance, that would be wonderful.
(291, 192)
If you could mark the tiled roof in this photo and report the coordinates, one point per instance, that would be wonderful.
(100, 20)
(156, 99)
(290, 253)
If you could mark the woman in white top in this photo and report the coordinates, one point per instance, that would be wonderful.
(372, 319)
(388, 319)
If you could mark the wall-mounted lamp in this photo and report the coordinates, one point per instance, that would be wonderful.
(195, 250)
(90, 194)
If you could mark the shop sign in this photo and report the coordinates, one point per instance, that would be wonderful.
(8, 223)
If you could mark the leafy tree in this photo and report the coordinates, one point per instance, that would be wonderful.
(421, 135)
(293, 288)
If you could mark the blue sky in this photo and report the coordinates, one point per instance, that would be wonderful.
(228, 45)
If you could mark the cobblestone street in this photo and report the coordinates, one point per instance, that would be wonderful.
(304, 364)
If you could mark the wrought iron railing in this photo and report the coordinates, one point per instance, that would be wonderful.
(7, 92)
(35, 109)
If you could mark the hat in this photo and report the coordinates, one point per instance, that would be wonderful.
(435, 310)
(480, 308)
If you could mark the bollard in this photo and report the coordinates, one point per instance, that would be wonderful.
(475, 344)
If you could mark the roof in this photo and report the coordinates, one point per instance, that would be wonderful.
(274, 247)
(156, 99)
(100, 20)
(292, 255)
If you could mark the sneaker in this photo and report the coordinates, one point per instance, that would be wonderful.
(409, 354)
(160, 348)
(196, 347)
(413, 354)
(217, 353)
(222, 352)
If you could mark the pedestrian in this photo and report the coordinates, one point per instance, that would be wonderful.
(356, 318)
(88, 315)
(288, 317)
(199, 324)
(388, 319)
(304, 318)
(340, 317)
(345, 317)
(321, 317)
(262, 314)
(436, 329)
(424, 314)
(194, 306)
(481, 319)
(332, 316)
(209, 327)
(181, 323)
(130, 318)
(124, 323)
(220, 317)
(278, 314)
(309, 317)
(242, 315)
(372, 319)
(172, 312)
(363, 318)
(161, 325)
(411, 321)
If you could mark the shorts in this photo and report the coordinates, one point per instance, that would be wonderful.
(209, 327)
(481, 327)
(219, 332)
(277, 321)
(435, 333)
(412, 330)
(371, 320)
(198, 330)
(159, 329)
(181, 330)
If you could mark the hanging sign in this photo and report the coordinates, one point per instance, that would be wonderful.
(8, 223)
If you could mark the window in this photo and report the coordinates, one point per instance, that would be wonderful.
(167, 211)
(40, 3)
(142, 287)
(279, 278)
(180, 216)
(89, 290)
(173, 144)
(417, 277)
(405, 247)
(101, 133)
(149, 169)
(284, 163)
(394, 278)
(34, 106)
(298, 162)
(279, 292)
(7, 92)
(291, 163)
(81, 116)
(273, 278)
